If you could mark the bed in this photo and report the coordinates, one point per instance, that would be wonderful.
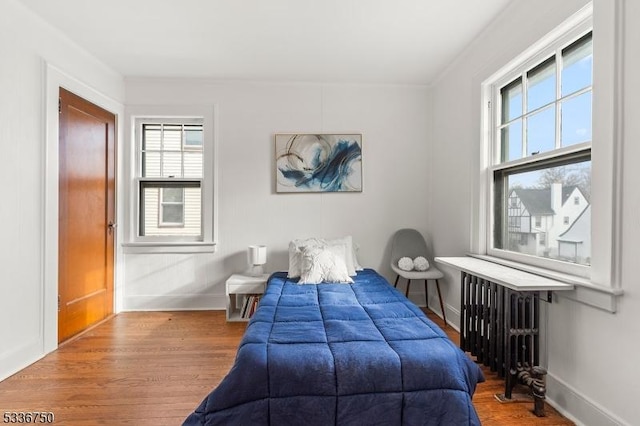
(327, 353)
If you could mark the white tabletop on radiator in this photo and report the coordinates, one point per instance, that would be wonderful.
(504, 275)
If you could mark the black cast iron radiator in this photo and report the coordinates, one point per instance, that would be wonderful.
(501, 328)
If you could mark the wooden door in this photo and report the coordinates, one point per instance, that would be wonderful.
(86, 229)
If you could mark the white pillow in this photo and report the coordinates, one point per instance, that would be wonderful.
(349, 257)
(296, 247)
(420, 263)
(324, 264)
(356, 264)
(405, 263)
(295, 254)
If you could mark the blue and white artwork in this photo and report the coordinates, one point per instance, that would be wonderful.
(318, 163)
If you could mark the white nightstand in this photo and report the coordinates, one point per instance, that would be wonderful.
(239, 288)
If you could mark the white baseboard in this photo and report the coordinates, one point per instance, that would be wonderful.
(453, 314)
(15, 359)
(453, 317)
(577, 407)
(197, 302)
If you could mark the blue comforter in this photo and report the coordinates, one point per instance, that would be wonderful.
(340, 354)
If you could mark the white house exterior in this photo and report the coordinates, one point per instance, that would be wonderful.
(574, 245)
(537, 218)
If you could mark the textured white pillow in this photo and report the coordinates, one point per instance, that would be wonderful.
(405, 263)
(356, 264)
(324, 264)
(420, 263)
(295, 254)
(296, 247)
(348, 255)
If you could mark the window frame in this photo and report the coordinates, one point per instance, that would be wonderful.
(206, 242)
(558, 155)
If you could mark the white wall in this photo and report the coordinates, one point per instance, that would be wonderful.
(394, 122)
(27, 44)
(592, 353)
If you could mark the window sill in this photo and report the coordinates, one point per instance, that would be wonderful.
(168, 247)
(586, 292)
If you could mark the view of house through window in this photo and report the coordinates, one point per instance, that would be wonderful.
(170, 180)
(543, 216)
(542, 173)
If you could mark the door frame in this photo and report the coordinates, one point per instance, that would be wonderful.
(54, 79)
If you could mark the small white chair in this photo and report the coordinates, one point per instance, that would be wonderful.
(410, 243)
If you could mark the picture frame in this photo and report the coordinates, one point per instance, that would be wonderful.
(318, 162)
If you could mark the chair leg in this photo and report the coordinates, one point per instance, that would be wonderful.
(444, 316)
(426, 294)
(406, 293)
(396, 283)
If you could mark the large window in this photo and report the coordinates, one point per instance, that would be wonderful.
(170, 179)
(540, 167)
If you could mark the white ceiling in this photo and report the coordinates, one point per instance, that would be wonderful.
(367, 41)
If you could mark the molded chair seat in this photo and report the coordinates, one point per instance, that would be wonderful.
(430, 274)
(410, 243)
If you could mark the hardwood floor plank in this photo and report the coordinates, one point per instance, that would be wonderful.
(154, 368)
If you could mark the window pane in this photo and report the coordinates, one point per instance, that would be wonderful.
(541, 85)
(511, 101)
(150, 164)
(152, 136)
(541, 131)
(512, 141)
(149, 203)
(163, 218)
(576, 120)
(192, 209)
(172, 195)
(172, 138)
(172, 214)
(193, 136)
(577, 71)
(193, 164)
(172, 164)
(539, 216)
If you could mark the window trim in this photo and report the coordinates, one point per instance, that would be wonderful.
(604, 285)
(207, 116)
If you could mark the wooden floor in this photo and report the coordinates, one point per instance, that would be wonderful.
(154, 368)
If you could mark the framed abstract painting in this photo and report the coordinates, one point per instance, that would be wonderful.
(318, 162)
